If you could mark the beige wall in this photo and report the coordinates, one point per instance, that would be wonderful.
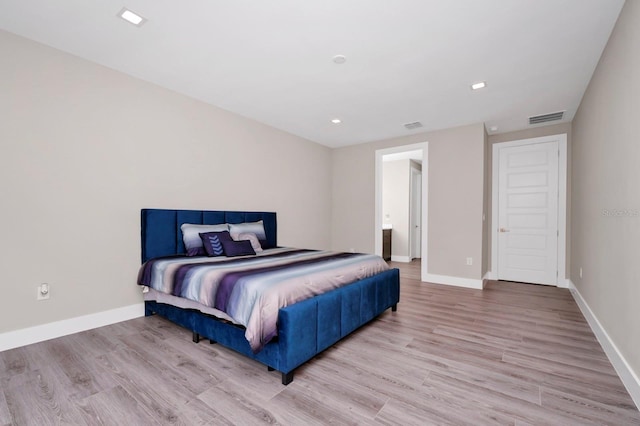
(534, 132)
(606, 176)
(455, 184)
(83, 148)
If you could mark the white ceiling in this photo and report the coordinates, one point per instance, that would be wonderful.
(407, 60)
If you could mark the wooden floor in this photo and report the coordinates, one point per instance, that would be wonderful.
(512, 354)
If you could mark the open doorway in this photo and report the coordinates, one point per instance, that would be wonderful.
(401, 202)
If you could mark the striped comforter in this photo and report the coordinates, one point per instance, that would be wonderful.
(252, 289)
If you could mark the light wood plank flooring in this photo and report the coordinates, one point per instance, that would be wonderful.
(513, 354)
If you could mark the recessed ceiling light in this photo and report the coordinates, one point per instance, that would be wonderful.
(131, 17)
(339, 59)
(478, 85)
(336, 121)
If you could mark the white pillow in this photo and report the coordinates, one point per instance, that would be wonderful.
(249, 227)
(191, 236)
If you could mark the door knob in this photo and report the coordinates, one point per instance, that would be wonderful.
(504, 230)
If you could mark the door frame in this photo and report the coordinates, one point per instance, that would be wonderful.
(412, 216)
(424, 146)
(562, 201)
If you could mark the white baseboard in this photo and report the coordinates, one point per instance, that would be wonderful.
(40, 333)
(455, 281)
(627, 375)
(403, 259)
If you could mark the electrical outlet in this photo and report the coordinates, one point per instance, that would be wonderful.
(469, 261)
(44, 291)
(352, 250)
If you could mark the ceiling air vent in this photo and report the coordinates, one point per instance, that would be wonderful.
(414, 125)
(554, 116)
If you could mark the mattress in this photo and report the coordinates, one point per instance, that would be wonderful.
(250, 290)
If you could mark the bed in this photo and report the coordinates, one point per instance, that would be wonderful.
(301, 330)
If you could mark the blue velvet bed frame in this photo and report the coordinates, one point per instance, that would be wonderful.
(304, 329)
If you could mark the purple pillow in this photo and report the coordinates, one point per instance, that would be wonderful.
(237, 248)
(212, 242)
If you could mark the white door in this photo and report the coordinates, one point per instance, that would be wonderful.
(416, 213)
(528, 213)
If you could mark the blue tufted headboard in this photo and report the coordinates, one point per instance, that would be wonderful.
(161, 234)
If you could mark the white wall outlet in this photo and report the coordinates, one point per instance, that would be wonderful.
(580, 272)
(352, 250)
(44, 291)
(469, 261)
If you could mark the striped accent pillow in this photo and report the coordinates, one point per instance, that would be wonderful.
(191, 236)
